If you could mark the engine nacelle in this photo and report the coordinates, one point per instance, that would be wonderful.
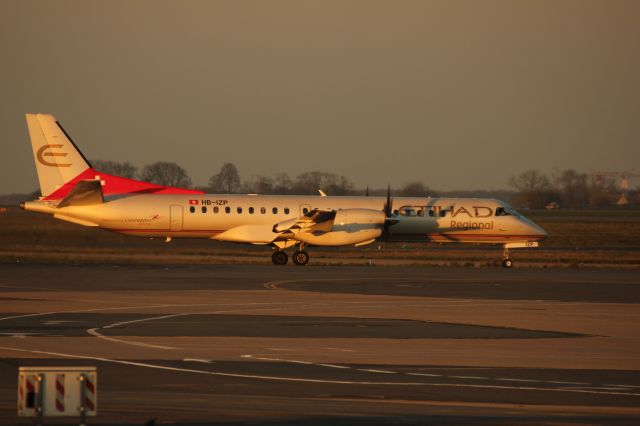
(350, 226)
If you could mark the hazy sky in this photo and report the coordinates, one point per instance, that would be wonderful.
(457, 94)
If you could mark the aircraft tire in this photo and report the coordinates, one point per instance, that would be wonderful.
(507, 263)
(279, 258)
(301, 258)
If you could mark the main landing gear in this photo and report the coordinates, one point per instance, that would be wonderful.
(300, 257)
(279, 257)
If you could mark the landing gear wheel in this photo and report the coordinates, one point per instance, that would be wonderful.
(507, 263)
(279, 258)
(301, 258)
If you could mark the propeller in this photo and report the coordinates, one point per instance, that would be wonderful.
(389, 219)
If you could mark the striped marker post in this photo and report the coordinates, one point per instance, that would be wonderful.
(90, 395)
(60, 392)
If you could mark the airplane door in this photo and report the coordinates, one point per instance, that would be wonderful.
(176, 218)
(304, 209)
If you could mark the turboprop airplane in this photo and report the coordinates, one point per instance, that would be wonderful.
(74, 191)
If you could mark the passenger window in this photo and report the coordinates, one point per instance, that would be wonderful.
(239, 209)
(227, 209)
(192, 209)
(274, 210)
(286, 210)
(204, 209)
(216, 209)
(443, 213)
(431, 213)
(263, 210)
(250, 210)
(407, 211)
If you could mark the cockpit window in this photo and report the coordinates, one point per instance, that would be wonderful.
(506, 211)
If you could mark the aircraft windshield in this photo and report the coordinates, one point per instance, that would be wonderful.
(506, 211)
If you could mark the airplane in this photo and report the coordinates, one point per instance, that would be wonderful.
(72, 190)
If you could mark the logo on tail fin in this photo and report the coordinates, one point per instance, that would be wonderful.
(42, 152)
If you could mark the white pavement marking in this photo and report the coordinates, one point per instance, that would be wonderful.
(469, 377)
(373, 370)
(519, 380)
(118, 324)
(379, 371)
(334, 366)
(212, 373)
(294, 361)
(622, 386)
(303, 380)
(204, 361)
(274, 284)
(79, 311)
(57, 322)
(339, 349)
(94, 332)
(557, 382)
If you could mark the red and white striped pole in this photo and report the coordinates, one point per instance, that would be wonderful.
(90, 401)
(60, 392)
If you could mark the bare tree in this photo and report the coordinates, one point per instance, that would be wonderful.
(164, 173)
(530, 180)
(125, 170)
(573, 188)
(260, 184)
(227, 180)
(310, 182)
(282, 183)
(534, 188)
(414, 189)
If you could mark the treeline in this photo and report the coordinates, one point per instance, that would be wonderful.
(531, 189)
(228, 181)
(569, 189)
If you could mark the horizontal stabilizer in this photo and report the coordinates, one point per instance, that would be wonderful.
(85, 193)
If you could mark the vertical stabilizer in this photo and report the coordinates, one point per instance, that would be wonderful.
(57, 158)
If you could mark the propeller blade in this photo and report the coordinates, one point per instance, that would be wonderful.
(389, 220)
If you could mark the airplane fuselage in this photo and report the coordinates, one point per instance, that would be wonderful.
(212, 216)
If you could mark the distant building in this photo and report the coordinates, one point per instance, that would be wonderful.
(622, 201)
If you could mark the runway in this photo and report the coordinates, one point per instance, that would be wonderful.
(331, 345)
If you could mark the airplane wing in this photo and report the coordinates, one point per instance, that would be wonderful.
(314, 220)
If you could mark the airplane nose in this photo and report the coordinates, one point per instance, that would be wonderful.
(538, 231)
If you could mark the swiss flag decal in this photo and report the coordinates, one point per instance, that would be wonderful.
(193, 202)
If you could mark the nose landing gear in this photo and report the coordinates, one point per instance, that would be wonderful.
(506, 261)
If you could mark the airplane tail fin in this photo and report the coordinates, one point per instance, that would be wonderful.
(62, 167)
(57, 158)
